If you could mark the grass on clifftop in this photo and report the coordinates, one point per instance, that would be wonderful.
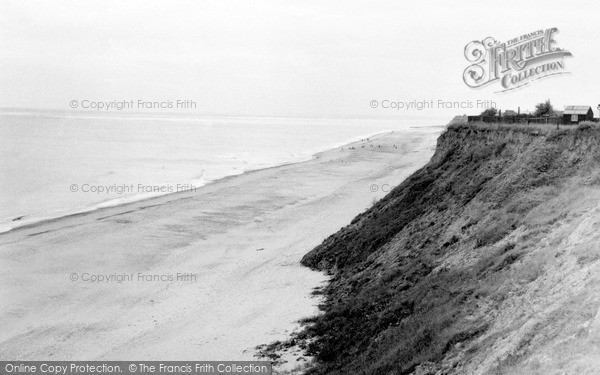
(419, 275)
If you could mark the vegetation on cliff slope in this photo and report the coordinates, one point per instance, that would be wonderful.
(425, 280)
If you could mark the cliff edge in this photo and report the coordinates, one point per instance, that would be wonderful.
(485, 261)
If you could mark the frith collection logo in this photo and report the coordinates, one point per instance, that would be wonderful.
(516, 62)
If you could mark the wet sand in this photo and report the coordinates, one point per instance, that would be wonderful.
(223, 261)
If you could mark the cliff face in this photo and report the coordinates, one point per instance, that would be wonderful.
(484, 261)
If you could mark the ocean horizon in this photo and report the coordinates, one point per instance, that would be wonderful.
(55, 164)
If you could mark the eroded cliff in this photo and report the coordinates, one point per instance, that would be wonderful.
(484, 261)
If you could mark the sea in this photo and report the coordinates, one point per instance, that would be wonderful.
(54, 164)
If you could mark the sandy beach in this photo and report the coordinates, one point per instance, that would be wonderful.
(203, 275)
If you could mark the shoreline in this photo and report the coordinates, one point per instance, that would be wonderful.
(142, 197)
(241, 236)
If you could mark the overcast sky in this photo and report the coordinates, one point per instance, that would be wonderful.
(281, 57)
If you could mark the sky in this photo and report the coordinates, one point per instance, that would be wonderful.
(275, 58)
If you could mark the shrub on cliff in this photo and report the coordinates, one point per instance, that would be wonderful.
(395, 302)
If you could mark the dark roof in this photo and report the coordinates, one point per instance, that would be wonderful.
(576, 109)
(509, 112)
